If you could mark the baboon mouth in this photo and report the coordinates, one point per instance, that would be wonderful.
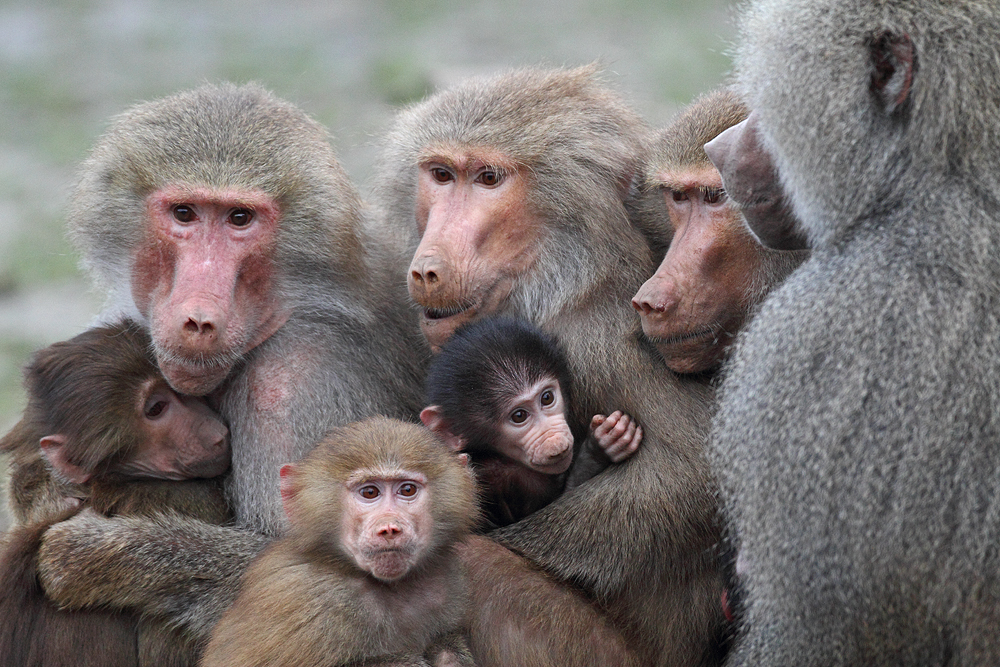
(684, 337)
(443, 313)
(200, 361)
(390, 552)
(553, 466)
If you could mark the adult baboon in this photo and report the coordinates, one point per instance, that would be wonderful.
(222, 216)
(856, 439)
(511, 189)
(714, 273)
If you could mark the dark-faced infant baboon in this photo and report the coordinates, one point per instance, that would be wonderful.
(500, 390)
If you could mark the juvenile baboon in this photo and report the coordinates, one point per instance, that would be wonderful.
(516, 184)
(368, 568)
(714, 273)
(500, 390)
(101, 428)
(222, 217)
(856, 438)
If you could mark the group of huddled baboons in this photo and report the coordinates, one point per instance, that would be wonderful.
(681, 404)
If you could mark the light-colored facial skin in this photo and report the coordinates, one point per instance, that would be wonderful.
(186, 438)
(182, 438)
(699, 298)
(534, 431)
(477, 236)
(204, 276)
(617, 434)
(387, 522)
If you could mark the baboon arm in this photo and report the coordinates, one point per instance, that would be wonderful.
(627, 532)
(653, 512)
(182, 570)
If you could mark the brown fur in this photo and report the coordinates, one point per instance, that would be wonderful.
(34, 633)
(87, 387)
(306, 602)
(34, 493)
(639, 536)
(681, 144)
(97, 373)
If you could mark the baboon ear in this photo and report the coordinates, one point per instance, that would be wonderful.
(54, 450)
(894, 60)
(433, 418)
(751, 180)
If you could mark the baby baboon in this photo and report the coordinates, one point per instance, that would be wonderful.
(367, 570)
(500, 390)
(714, 273)
(857, 436)
(102, 429)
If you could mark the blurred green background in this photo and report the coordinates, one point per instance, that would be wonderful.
(67, 66)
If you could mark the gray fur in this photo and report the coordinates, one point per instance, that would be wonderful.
(857, 437)
(351, 348)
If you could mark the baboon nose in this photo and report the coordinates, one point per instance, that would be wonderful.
(198, 327)
(389, 531)
(648, 306)
(428, 274)
(200, 333)
(428, 277)
(642, 306)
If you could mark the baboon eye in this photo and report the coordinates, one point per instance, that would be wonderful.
(408, 490)
(714, 195)
(369, 492)
(440, 174)
(679, 195)
(548, 397)
(183, 213)
(156, 409)
(241, 217)
(490, 178)
(519, 416)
